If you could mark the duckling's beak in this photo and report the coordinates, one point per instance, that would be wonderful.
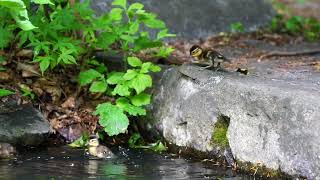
(195, 59)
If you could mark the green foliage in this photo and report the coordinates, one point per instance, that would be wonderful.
(219, 135)
(237, 27)
(297, 25)
(26, 91)
(18, 11)
(5, 92)
(128, 87)
(112, 118)
(285, 22)
(136, 141)
(6, 37)
(68, 35)
(81, 141)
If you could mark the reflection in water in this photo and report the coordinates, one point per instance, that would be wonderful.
(66, 163)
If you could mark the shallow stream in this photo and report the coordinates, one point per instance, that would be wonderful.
(67, 163)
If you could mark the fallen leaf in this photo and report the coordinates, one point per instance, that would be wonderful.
(5, 77)
(69, 103)
(28, 70)
(25, 53)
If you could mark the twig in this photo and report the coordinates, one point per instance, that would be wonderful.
(279, 53)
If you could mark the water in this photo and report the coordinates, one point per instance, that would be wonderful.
(67, 163)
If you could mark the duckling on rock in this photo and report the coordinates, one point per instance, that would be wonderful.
(208, 56)
(97, 150)
(7, 151)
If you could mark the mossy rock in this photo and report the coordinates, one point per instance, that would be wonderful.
(219, 135)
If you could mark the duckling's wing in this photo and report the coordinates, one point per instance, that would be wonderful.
(220, 56)
(106, 152)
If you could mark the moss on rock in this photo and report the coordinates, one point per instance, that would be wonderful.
(219, 135)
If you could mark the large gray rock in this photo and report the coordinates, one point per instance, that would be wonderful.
(22, 125)
(194, 19)
(273, 121)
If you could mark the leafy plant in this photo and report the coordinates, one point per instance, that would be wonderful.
(127, 87)
(70, 34)
(81, 141)
(18, 11)
(285, 22)
(297, 25)
(26, 91)
(237, 27)
(136, 141)
(5, 92)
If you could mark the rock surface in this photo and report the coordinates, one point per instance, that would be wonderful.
(197, 19)
(272, 121)
(22, 125)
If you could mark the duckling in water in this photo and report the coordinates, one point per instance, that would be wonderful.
(100, 151)
(6, 151)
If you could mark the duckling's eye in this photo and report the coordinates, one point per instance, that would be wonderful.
(194, 52)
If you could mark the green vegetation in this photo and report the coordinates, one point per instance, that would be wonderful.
(81, 141)
(285, 22)
(237, 27)
(18, 11)
(219, 135)
(5, 92)
(26, 91)
(136, 141)
(63, 35)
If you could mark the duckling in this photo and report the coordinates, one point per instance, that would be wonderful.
(100, 151)
(208, 56)
(6, 151)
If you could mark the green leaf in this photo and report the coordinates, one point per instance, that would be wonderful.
(141, 99)
(127, 38)
(134, 27)
(164, 33)
(154, 23)
(98, 87)
(116, 14)
(6, 36)
(44, 63)
(13, 4)
(115, 77)
(19, 13)
(122, 3)
(130, 74)
(158, 146)
(165, 51)
(135, 6)
(112, 118)
(141, 82)
(106, 39)
(155, 68)
(144, 42)
(67, 56)
(134, 61)
(81, 141)
(124, 104)
(237, 27)
(42, 2)
(135, 140)
(88, 76)
(121, 89)
(145, 67)
(5, 92)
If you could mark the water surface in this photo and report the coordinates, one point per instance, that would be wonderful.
(67, 163)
